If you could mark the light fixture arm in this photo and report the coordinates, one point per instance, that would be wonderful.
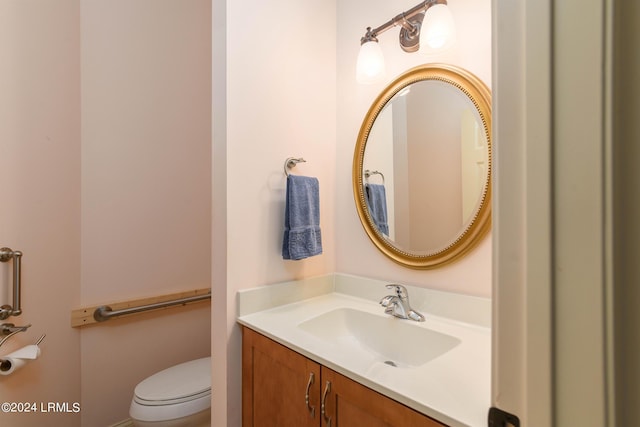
(411, 21)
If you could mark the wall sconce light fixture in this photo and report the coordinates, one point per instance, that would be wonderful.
(431, 20)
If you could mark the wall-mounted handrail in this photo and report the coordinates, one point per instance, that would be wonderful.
(103, 312)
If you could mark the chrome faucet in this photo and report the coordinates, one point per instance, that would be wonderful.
(398, 305)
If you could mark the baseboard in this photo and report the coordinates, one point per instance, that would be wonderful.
(124, 423)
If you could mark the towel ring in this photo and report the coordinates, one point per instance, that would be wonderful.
(291, 162)
(368, 173)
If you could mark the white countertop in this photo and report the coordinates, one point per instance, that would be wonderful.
(453, 388)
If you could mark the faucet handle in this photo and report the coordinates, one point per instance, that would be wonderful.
(385, 301)
(400, 290)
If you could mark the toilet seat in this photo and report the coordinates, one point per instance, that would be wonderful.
(176, 392)
(205, 394)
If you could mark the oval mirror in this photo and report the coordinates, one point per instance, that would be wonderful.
(422, 166)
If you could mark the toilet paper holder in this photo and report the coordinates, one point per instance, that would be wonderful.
(9, 329)
(20, 357)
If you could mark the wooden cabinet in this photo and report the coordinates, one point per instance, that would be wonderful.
(282, 388)
(350, 404)
(275, 382)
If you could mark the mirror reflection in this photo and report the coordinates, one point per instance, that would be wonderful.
(422, 166)
(425, 164)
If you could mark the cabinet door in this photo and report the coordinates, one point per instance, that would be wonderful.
(350, 404)
(275, 384)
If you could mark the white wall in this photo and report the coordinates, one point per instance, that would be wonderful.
(277, 96)
(355, 254)
(280, 102)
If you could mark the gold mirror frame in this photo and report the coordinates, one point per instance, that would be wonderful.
(480, 96)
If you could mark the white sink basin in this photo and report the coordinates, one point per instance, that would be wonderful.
(396, 342)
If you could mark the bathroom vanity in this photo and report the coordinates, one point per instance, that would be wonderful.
(331, 351)
(284, 388)
(323, 352)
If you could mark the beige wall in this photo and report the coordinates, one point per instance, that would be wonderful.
(40, 193)
(434, 162)
(105, 124)
(146, 189)
(274, 97)
(627, 211)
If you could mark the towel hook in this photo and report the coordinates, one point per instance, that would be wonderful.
(368, 173)
(291, 162)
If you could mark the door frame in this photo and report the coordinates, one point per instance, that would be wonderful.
(552, 230)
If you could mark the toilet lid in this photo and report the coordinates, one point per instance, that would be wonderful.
(179, 383)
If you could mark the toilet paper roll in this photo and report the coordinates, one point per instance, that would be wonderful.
(16, 360)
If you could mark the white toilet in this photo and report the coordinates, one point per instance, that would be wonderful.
(179, 396)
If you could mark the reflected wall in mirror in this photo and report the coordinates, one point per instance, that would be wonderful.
(422, 166)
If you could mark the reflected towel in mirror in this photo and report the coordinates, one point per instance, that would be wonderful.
(302, 237)
(377, 204)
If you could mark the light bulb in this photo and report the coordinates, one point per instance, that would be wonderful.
(370, 67)
(438, 29)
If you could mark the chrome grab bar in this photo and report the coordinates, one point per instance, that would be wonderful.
(6, 310)
(104, 312)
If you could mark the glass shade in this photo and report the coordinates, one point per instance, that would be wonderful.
(370, 67)
(438, 29)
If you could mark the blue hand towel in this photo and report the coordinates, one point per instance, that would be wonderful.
(302, 218)
(377, 202)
